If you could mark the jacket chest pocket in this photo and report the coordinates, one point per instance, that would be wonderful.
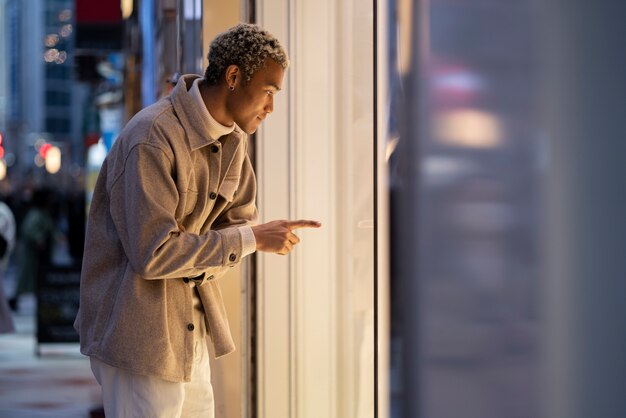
(189, 199)
(228, 190)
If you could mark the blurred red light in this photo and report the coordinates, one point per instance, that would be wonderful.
(44, 150)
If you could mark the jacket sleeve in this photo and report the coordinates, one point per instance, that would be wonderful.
(144, 199)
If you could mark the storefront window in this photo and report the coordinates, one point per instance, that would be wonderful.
(466, 198)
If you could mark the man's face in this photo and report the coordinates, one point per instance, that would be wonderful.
(252, 102)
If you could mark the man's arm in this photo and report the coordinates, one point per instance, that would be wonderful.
(143, 203)
(274, 237)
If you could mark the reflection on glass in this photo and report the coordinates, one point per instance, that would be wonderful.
(467, 128)
(478, 205)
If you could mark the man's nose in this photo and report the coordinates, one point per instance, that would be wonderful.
(269, 107)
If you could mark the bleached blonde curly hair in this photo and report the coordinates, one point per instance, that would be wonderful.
(246, 46)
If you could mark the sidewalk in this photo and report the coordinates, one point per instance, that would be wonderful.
(57, 384)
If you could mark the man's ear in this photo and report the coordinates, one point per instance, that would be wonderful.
(232, 76)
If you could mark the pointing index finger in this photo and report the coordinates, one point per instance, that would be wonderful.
(302, 223)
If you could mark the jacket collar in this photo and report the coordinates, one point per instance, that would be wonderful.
(192, 119)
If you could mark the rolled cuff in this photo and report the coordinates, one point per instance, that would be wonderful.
(248, 240)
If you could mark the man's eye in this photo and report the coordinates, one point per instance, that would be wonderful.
(269, 92)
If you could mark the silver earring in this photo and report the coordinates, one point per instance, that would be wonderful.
(232, 88)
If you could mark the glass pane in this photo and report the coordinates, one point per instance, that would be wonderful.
(356, 336)
(475, 197)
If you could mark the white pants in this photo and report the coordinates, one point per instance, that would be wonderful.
(129, 395)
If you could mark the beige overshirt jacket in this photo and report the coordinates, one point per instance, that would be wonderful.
(167, 206)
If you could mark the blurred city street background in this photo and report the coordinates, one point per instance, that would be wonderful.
(58, 383)
(464, 158)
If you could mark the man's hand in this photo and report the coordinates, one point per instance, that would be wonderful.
(277, 236)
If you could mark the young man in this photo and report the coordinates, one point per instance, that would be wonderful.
(172, 211)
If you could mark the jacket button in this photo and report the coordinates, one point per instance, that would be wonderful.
(190, 327)
(214, 149)
(212, 196)
(232, 257)
(186, 279)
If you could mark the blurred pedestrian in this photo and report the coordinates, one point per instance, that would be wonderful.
(35, 243)
(7, 243)
(173, 209)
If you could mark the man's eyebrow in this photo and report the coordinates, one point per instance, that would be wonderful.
(275, 86)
